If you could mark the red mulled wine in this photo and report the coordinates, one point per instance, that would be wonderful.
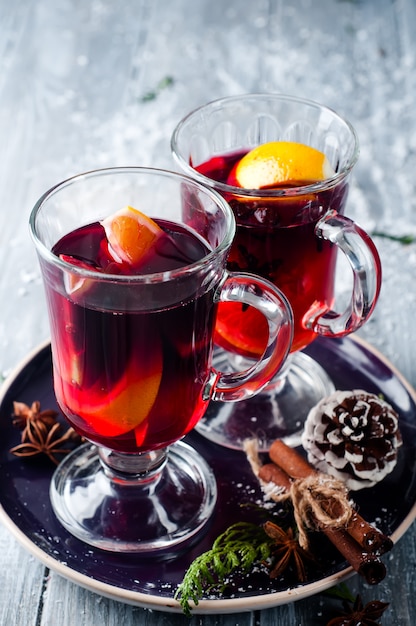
(276, 239)
(130, 379)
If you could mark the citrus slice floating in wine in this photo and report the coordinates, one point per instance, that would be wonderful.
(115, 411)
(130, 401)
(75, 283)
(244, 331)
(131, 235)
(278, 162)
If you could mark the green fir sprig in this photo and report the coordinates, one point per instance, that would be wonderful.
(239, 548)
(404, 239)
(164, 83)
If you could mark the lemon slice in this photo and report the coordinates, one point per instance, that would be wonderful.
(278, 162)
(131, 234)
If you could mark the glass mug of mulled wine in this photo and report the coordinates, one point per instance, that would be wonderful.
(283, 164)
(133, 265)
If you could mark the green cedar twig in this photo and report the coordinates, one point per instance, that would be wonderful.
(240, 547)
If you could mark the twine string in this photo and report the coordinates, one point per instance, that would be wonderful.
(319, 501)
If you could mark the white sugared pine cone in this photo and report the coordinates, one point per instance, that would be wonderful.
(353, 436)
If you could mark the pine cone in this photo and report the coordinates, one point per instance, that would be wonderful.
(353, 436)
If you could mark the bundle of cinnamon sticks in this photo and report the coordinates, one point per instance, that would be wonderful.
(360, 543)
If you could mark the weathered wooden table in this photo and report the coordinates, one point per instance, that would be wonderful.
(103, 83)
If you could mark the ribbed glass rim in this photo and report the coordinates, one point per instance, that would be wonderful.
(315, 187)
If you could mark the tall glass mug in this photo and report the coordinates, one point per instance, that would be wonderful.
(132, 350)
(289, 234)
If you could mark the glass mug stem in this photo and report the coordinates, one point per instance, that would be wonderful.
(145, 466)
(364, 261)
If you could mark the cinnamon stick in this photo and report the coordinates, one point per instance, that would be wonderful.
(289, 460)
(360, 543)
(369, 537)
(366, 564)
(271, 473)
(294, 465)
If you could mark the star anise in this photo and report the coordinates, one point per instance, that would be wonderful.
(22, 413)
(40, 439)
(360, 615)
(41, 433)
(286, 551)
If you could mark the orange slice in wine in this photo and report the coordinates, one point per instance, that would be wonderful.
(278, 162)
(130, 401)
(74, 283)
(131, 235)
(241, 329)
(115, 411)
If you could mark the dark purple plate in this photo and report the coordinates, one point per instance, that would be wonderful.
(25, 508)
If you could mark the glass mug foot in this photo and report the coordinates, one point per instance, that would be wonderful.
(278, 412)
(105, 507)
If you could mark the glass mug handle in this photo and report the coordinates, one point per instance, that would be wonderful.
(264, 296)
(364, 260)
